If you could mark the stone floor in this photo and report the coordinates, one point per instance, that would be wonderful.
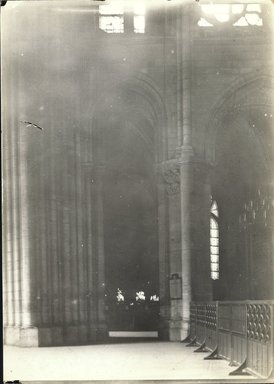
(122, 361)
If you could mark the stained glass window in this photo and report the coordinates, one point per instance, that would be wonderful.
(214, 241)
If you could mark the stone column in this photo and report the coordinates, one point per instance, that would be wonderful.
(200, 232)
(195, 214)
(185, 155)
(194, 189)
(186, 181)
(7, 224)
(80, 243)
(171, 176)
(28, 335)
(100, 254)
(5, 220)
(163, 256)
(91, 261)
(67, 236)
(271, 224)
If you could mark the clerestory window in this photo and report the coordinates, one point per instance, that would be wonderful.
(238, 15)
(139, 18)
(112, 17)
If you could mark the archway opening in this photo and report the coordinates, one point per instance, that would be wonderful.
(243, 187)
(130, 225)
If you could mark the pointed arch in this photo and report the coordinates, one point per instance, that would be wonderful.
(136, 97)
(250, 92)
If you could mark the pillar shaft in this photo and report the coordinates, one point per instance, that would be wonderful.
(186, 184)
(100, 252)
(185, 154)
(163, 258)
(186, 136)
(195, 214)
(171, 176)
(200, 232)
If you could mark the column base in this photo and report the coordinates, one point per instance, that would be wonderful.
(175, 327)
(175, 322)
(172, 331)
(185, 325)
(163, 334)
(53, 336)
(22, 337)
(101, 333)
(163, 330)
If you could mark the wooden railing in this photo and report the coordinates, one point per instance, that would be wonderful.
(238, 331)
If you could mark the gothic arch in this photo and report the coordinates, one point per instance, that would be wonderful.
(135, 97)
(128, 122)
(250, 92)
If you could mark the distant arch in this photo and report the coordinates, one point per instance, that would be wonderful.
(135, 98)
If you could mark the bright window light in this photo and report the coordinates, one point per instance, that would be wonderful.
(112, 24)
(214, 14)
(112, 17)
(139, 24)
(241, 22)
(111, 9)
(254, 19)
(214, 209)
(253, 8)
(139, 8)
(203, 23)
(214, 241)
(208, 9)
(222, 17)
(237, 8)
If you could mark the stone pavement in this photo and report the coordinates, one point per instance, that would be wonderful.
(122, 361)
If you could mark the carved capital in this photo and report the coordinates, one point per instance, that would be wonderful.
(171, 176)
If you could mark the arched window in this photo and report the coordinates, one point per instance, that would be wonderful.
(214, 241)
